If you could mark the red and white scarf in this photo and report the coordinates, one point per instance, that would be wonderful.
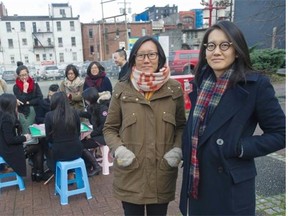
(149, 82)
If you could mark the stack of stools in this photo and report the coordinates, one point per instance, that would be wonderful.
(81, 179)
(104, 160)
(5, 178)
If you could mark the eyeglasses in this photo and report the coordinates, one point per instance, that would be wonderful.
(223, 46)
(23, 75)
(151, 56)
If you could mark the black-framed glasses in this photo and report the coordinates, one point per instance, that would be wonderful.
(151, 56)
(223, 46)
(23, 75)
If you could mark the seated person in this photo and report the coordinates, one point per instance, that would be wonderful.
(62, 128)
(96, 114)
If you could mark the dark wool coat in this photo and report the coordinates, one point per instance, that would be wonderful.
(11, 145)
(227, 182)
(33, 97)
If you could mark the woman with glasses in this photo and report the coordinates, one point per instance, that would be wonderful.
(97, 77)
(229, 99)
(72, 86)
(29, 97)
(143, 128)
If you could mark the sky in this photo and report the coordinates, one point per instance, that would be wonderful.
(91, 10)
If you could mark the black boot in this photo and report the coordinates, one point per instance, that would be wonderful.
(33, 174)
(87, 156)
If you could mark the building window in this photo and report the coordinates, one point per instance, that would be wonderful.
(73, 41)
(61, 57)
(72, 26)
(50, 56)
(8, 27)
(60, 42)
(22, 26)
(26, 59)
(44, 57)
(49, 42)
(58, 26)
(74, 56)
(34, 26)
(24, 42)
(62, 12)
(129, 32)
(92, 50)
(143, 31)
(10, 43)
(90, 33)
(37, 57)
(48, 26)
(12, 60)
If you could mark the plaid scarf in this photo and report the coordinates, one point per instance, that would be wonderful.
(149, 82)
(209, 95)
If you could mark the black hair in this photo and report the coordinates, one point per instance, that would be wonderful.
(20, 68)
(91, 94)
(54, 87)
(135, 48)
(19, 63)
(73, 68)
(242, 64)
(100, 67)
(8, 104)
(62, 112)
(122, 52)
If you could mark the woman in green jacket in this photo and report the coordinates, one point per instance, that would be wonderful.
(143, 128)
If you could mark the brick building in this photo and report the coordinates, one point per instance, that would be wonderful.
(100, 41)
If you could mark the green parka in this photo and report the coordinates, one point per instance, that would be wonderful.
(149, 129)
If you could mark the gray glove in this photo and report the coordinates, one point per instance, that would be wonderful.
(174, 156)
(124, 156)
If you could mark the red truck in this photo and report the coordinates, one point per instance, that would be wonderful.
(183, 61)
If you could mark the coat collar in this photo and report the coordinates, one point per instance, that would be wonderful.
(232, 101)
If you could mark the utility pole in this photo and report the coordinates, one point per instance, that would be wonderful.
(223, 4)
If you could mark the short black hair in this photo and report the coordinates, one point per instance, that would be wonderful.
(54, 87)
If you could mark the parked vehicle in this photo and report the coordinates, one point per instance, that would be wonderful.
(186, 87)
(9, 76)
(50, 72)
(183, 61)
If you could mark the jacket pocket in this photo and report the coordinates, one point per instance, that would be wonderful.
(243, 173)
(167, 132)
(167, 176)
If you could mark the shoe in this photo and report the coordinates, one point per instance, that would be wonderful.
(7, 170)
(46, 175)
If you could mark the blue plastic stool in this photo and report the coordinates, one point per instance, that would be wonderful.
(18, 180)
(81, 179)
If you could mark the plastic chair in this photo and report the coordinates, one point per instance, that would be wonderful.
(81, 179)
(104, 160)
(5, 178)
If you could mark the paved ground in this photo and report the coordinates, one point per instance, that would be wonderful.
(39, 199)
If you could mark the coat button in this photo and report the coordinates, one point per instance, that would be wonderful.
(220, 169)
(137, 99)
(220, 141)
(123, 97)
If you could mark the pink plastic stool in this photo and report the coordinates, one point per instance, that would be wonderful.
(104, 160)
